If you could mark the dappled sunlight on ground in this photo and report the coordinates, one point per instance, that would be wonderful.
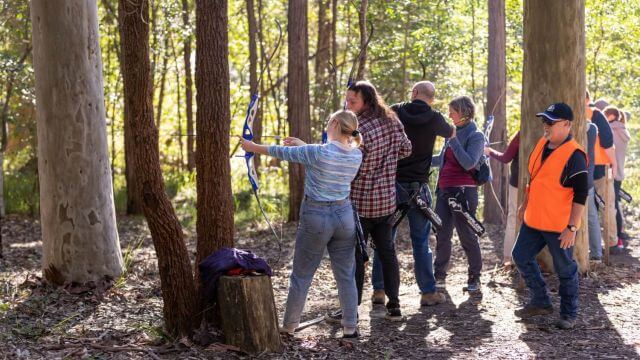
(46, 322)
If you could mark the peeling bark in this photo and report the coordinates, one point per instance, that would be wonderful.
(79, 234)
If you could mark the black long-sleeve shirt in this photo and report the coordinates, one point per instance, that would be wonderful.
(574, 175)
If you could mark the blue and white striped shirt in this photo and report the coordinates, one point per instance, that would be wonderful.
(329, 168)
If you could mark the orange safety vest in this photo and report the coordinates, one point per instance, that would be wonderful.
(548, 202)
(601, 157)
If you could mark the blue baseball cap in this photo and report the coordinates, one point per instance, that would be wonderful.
(557, 112)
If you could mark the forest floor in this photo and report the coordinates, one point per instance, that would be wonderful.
(124, 321)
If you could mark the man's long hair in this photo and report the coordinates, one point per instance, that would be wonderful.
(372, 101)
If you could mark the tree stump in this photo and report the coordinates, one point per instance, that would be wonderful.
(248, 313)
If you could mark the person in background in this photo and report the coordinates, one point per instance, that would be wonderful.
(509, 156)
(601, 104)
(621, 139)
(422, 125)
(604, 156)
(373, 191)
(326, 215)
(593, 221)
(457, 160)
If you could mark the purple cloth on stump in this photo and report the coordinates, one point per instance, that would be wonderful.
(225, 259)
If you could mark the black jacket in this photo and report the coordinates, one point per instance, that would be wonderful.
(422, 124)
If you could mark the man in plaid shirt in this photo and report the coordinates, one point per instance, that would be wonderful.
(373, 191)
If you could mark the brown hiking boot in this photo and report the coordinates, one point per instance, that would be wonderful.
(377, 297)
(530, 311)
(430, 299)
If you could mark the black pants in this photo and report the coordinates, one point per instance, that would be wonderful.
(619, 221)
(380, 232)
(468, 239)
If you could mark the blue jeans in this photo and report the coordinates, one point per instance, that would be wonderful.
(529, 243)
(419, 228)
(595, 233)
(324, 225)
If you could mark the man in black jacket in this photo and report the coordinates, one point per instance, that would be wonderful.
(422, 124)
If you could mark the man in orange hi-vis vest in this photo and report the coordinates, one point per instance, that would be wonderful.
(552, 210)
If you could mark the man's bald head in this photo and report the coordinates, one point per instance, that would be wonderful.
(425, 91)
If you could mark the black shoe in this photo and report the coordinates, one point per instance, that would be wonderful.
(565, 323)
(353, 335)
(624, 236)
(531, 310)
(334, 317)
(473, 283)
(394, 314)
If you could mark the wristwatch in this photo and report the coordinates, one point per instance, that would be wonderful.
(572, 228)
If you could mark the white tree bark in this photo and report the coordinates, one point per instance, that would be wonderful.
(79, 233)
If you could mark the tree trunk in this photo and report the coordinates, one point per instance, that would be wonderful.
(178, 108)
(2, 207)
(79, 233)
(362, 22)
(334, 55)
(497, 106)
(253, 75)
(297, 96)
(176, 278)
(323, 54)
(214, 205)
(2, 213)
(191, 159)
(550, 28)
(274, 87)
(472, 46)
(134, 201)
(405, 52)
(163, 78)
(155, 4)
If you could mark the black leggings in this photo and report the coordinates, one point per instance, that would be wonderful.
(380, 231)
(451, 219)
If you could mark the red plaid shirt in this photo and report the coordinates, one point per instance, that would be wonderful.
(373, 191)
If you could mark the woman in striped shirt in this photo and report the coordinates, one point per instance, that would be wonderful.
(326, 215)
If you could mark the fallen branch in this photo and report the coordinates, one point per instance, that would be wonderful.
(106, 348)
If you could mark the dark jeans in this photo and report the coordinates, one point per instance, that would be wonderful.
(529, 243)
(419, 227)
(380, 232)
(619, 221)
(468, 239)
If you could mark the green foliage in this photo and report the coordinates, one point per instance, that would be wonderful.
(21, 193)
